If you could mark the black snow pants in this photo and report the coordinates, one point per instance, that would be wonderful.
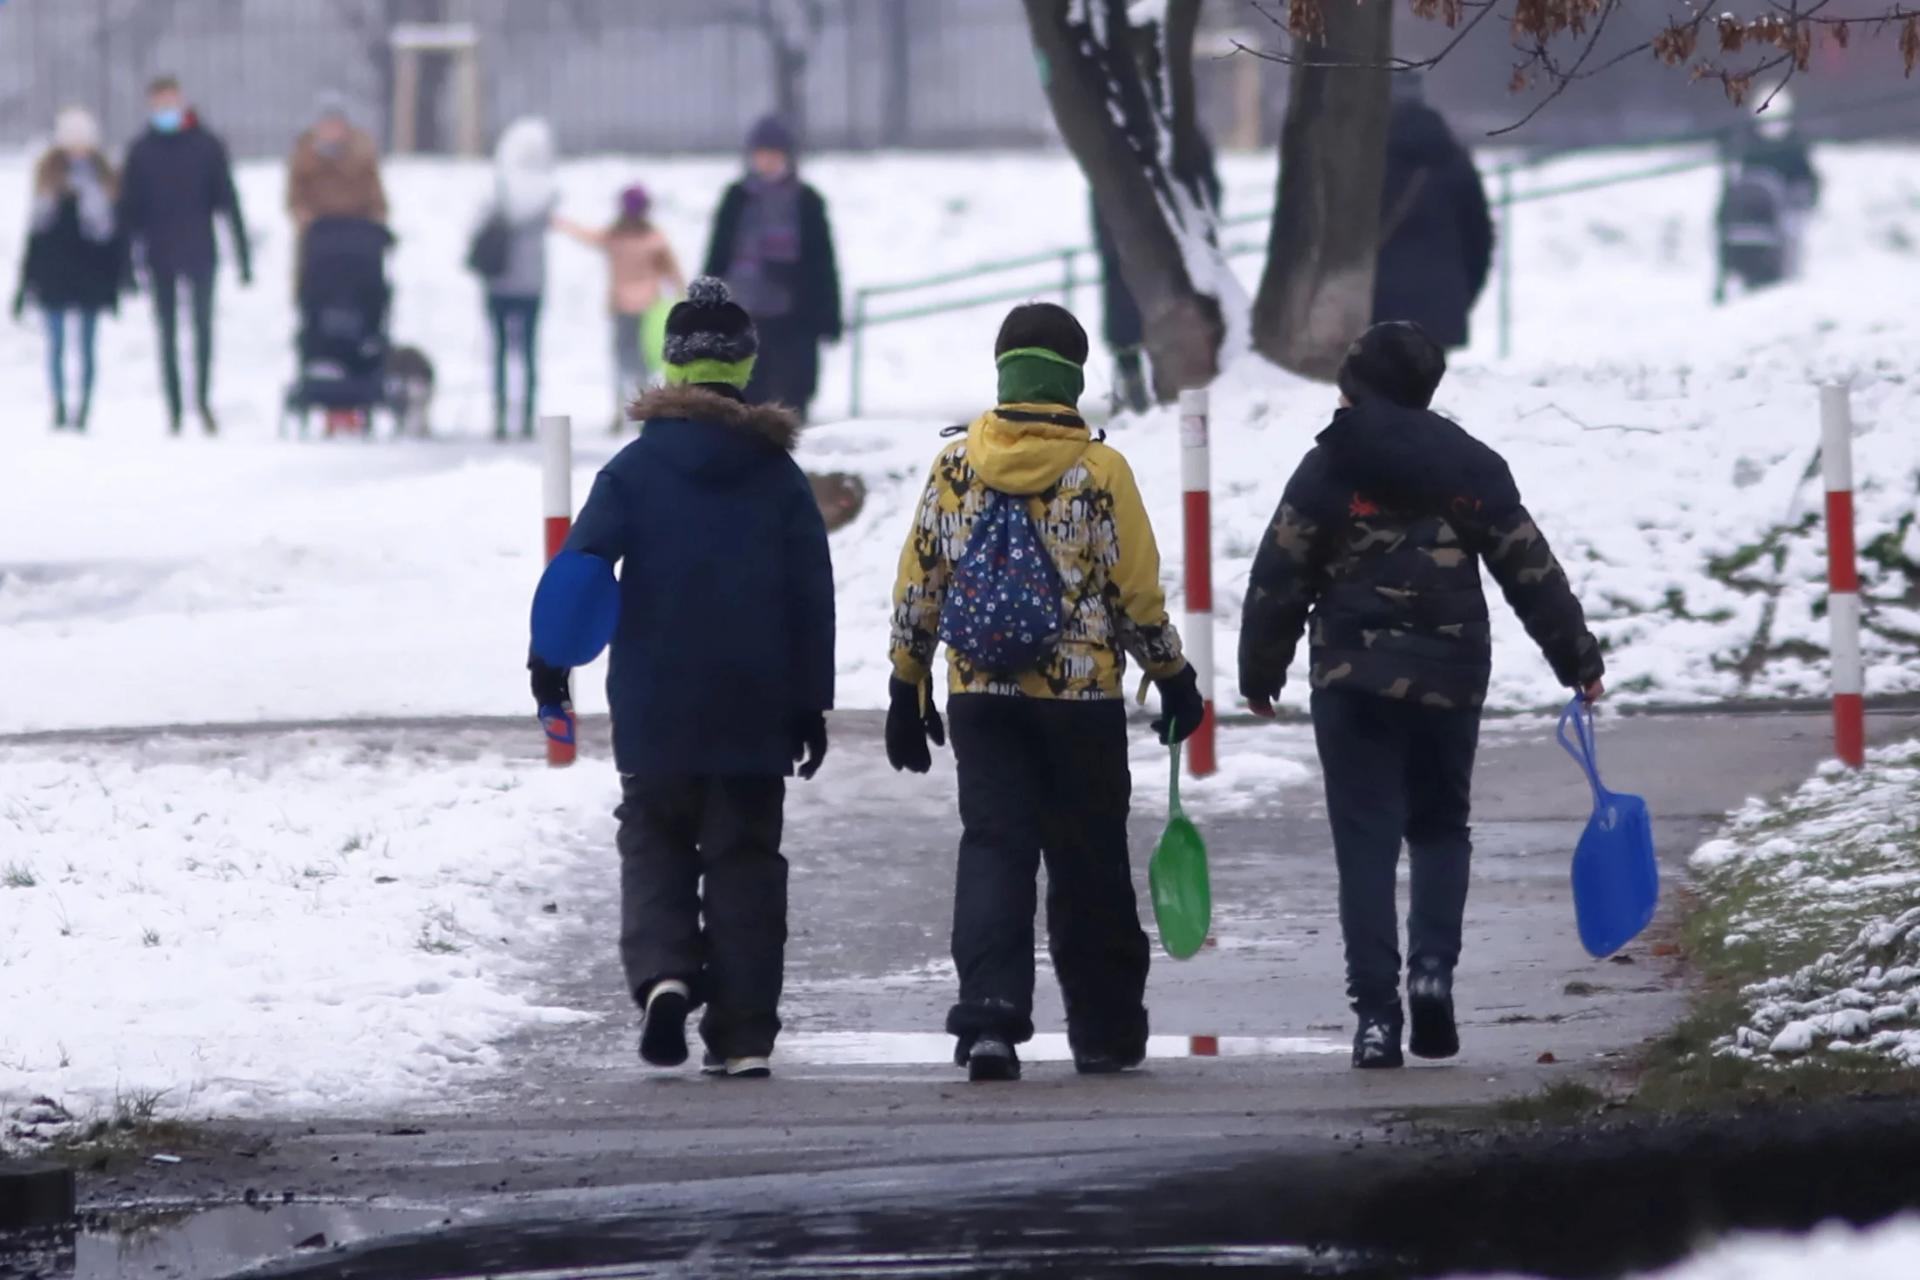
(166, 314)
(788, 369)
(703, 899)
(1396, 771)
(1046, 779)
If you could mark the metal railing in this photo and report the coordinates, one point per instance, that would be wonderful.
(1072, 278)
(1074, 274)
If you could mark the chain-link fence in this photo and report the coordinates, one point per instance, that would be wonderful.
(611, 75)
(659, 76)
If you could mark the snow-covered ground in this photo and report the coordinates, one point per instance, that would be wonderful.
(1890, 1251)
(1665, 446)
(1821, 892)
(329, 922)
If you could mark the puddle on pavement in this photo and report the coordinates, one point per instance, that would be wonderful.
(194, 1242)
(928, 1048)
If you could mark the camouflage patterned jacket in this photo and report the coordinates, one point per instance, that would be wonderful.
(1091, 517)
(1377, 545)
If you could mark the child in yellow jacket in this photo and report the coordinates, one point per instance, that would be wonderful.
(1041, 749)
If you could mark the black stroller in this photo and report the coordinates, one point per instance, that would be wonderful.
(342, 347)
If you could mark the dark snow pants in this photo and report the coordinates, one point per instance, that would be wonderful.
(788, 368)
(703, 898)
(166, 313)
(1046, 779)
(1396, 771)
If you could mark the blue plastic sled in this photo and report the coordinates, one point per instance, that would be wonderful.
(1616, 877)
(575, 609)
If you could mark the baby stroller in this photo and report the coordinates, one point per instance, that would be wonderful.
(342, 346)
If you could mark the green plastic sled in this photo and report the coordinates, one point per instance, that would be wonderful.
(1177, 875)
(653, 331)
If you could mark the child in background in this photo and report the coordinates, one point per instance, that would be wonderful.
(641, 268)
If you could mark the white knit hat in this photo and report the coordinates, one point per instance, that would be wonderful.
(75, 129)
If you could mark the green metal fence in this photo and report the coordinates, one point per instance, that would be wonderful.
(1076, 271)
(1079, 265)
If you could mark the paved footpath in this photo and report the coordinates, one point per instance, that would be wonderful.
(863, 1080)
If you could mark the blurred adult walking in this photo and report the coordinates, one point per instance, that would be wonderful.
(75, 258)
(1436, 234)
(773, 245)
(509, 254)
(1767, 197)
(178, 181)
(334, 171)
(642, 271)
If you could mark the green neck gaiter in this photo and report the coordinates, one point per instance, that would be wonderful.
(1034, 375)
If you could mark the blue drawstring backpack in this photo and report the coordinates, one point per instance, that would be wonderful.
(1003, 606)
(1616, 876)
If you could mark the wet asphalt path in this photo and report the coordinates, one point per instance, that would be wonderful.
(872, 856)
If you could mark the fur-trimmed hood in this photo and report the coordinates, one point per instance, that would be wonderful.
(775, 424)
(713, 439)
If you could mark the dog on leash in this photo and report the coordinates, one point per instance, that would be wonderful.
(409, 381)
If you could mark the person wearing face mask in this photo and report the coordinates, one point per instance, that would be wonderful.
(178, 181)
(75, 256)
(773, 246)
(334, 171)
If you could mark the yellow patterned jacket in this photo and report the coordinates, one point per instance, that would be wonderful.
(1088, 508)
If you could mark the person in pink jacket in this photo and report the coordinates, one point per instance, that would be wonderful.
(641, 266)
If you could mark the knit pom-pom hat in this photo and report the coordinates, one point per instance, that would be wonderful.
(710, 337)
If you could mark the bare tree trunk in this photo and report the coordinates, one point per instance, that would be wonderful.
(1317, 293)
(1123, 98)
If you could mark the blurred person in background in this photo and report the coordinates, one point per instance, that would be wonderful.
(178, 180)
(334, 171)
(509, 254)
(1767, 197)
(1121, 323)
(642, 271)
(75, 258)
(1436, 234)
(773, 245)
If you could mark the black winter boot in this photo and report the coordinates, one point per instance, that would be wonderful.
(1376, 1045)
(1430, 1002)
(992, 1058)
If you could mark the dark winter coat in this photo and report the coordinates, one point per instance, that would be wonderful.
(816, 308)
(174, 187)
(1436, 233)
(726, 587)
(1378, 543)
(63, 267)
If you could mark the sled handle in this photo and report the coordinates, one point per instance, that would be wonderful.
(1583, 746)
(1173, 778)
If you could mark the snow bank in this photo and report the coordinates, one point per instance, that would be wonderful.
(1832, 875)
(304, 924)
(1890, 1251)
(1665, 446)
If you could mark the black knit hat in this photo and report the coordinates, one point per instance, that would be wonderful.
(1395, 361)
(710, 337)
(1046, 326)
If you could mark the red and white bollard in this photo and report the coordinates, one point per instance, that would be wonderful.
(1843, 577)
(1196, 483)
(556, 440)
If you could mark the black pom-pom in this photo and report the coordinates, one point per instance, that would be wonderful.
(708, 291)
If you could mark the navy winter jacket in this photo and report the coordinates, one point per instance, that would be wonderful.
(726, 587)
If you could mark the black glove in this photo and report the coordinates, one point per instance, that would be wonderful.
(551, 685)
(1181, 707)
(909, 727)
(809, 742)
